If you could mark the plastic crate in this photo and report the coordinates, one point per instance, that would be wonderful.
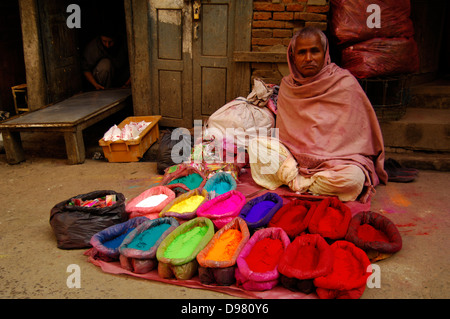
(133, 150)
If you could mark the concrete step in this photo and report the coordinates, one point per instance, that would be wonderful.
(421, 160)
(435, 94)
(420, 129)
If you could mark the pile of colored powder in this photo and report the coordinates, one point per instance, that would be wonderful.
(184, 244)
(345, 267)
(369, 233)
(115, 242)
(307, 257)
(293, 216)
(146, 239)
(188, 205)
(259, 211)
(152, 201)
(225, 206)
(192, 181)
(224, 248)
(221, 187)
(265, 255)
(330, 219)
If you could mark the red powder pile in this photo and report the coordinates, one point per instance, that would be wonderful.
(265, 255)
(346, 268)
(293, 216)
(331, 218)
(307, 258)
(369, 233)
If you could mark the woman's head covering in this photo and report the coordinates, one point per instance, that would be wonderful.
(327, 120)
(296, 75)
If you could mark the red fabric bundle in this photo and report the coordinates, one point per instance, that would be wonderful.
(372, 231)
(330, 219)
(351, 268)
(349, 21)
(293, 217)
(308, 256)
(381, 57)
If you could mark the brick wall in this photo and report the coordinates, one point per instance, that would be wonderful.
(274, 23)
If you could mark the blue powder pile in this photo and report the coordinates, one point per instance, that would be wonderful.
(259, 211)
(115, 242)
(192, 181)
(221, 187)
(146, 239)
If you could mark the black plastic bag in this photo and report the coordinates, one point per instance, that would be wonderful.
(164, 155)
(74, 226)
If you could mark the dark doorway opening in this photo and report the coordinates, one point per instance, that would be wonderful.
(95, 15)
(12, 64)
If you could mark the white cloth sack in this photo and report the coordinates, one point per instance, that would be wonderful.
(243, 118)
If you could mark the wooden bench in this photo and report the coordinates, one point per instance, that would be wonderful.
(69, 117)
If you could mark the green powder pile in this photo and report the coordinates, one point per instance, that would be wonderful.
(184, 244)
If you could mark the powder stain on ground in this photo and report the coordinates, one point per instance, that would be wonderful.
(188, 205)
(184, 244)
(398, 199)
(146, 239)
(225, 247)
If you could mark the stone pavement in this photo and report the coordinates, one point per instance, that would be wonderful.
(31, 266)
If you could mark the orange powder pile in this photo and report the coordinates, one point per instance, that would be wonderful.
(224, 248)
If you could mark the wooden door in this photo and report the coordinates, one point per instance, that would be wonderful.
(192, 67)
(213, 45)
(60, 50)
(171, 61)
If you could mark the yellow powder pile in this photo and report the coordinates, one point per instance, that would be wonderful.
(188, 205)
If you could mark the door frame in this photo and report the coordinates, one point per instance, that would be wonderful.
(139, 35)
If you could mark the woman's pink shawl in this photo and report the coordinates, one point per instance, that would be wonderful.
(327, 120)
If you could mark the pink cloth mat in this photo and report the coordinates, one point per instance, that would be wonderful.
(250, 189)
(279, 292)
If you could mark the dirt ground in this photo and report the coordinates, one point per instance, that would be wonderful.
(31, 266)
